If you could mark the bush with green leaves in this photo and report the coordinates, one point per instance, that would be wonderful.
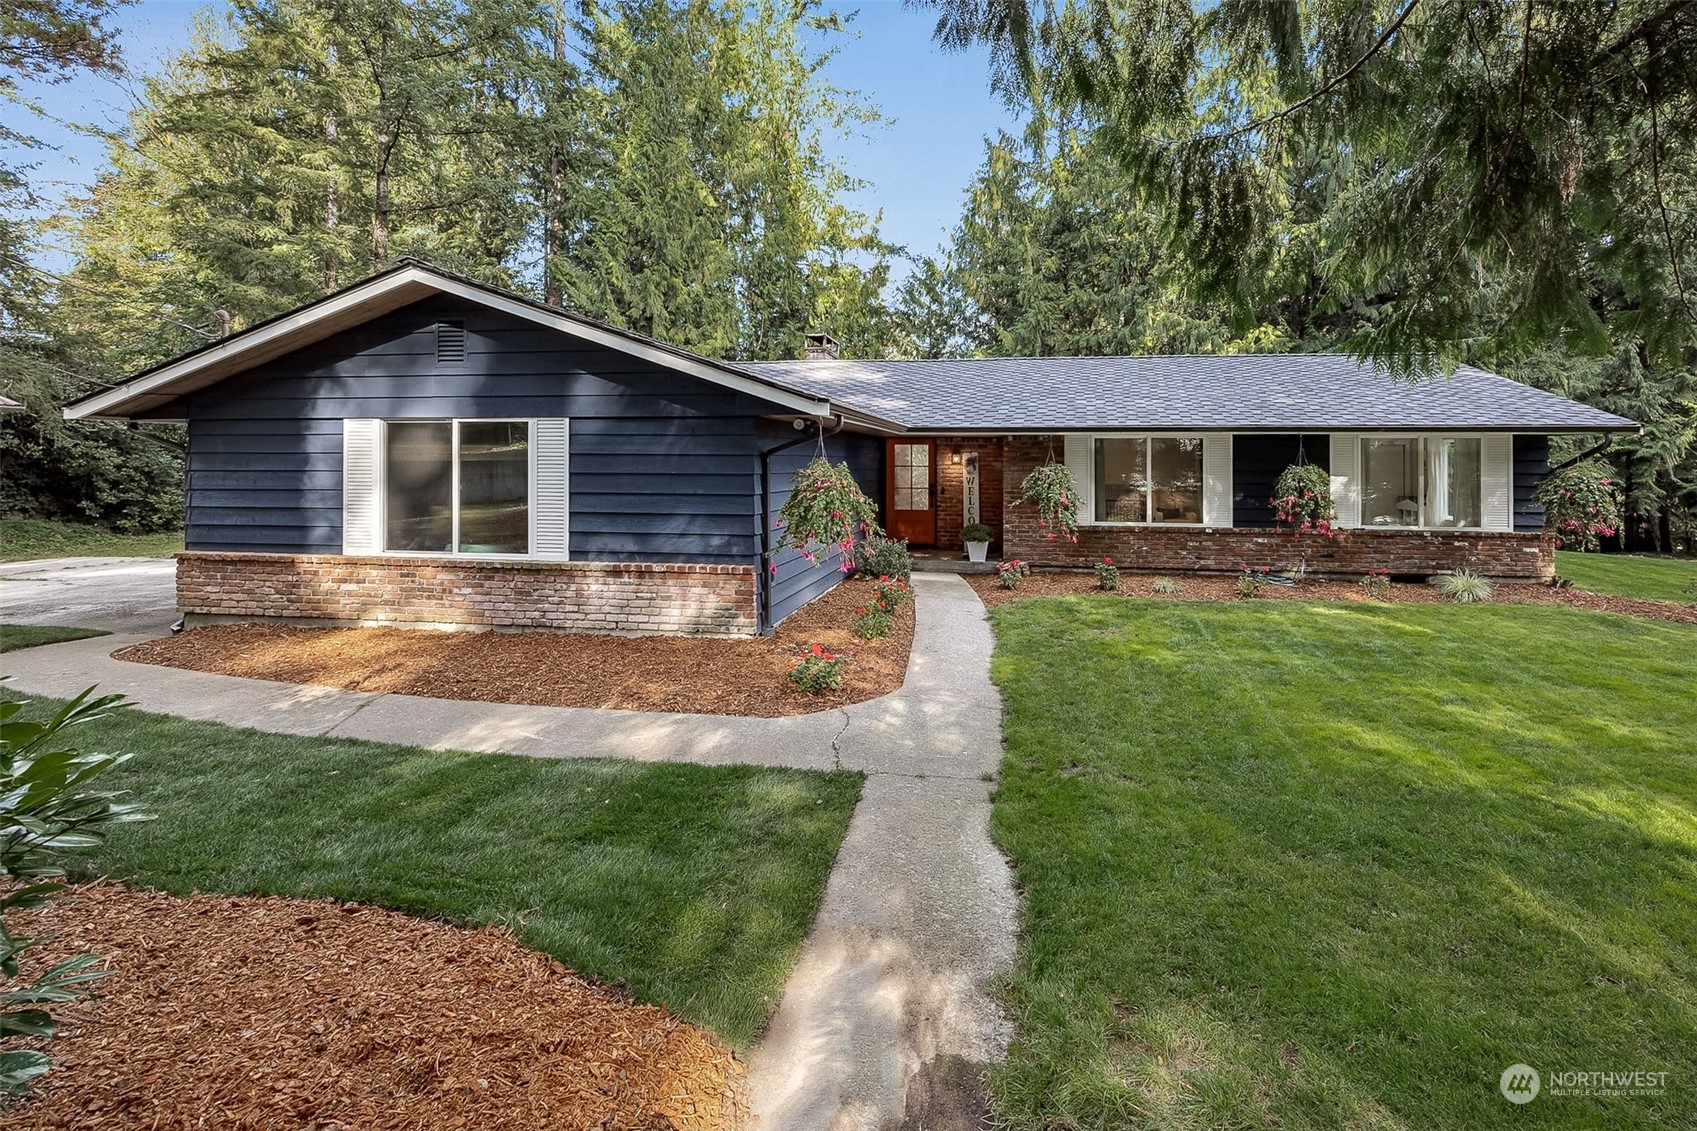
(893, 593)
(1464, 587)
(1376, 583)
(1051, 488)
(1166, 587)
(877, 556)
(1250, 581)
(1581, 504)
(826, 515)
(977, 532)
(872, 622)
(48, 809)
(818, 669)
(1107, 575)
(1302, 499)
(1011, 572)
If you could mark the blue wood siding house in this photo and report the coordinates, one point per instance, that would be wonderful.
(424, 449)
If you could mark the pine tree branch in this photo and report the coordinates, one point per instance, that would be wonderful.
(1309, 99)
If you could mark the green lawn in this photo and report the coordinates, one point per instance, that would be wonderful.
(691, 885)
(15, 636)
(1631, 575)
(25, 539)
(1323, 866)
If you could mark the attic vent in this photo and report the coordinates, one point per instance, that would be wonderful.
(450, 343)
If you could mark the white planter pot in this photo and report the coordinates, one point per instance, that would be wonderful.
(977, 551)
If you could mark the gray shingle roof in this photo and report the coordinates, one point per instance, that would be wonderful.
(1244, 392)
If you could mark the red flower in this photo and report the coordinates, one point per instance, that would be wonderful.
(818, 649)
(1107, 561)
(860, 612)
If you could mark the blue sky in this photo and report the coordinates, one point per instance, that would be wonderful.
(916, 166)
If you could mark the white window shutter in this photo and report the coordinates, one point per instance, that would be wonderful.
(1496, 459)
(1081, 461)
(1346, 477)
(551, 495)
(362, 502)
(1217, 480)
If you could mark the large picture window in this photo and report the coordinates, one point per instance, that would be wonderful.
(1422, 481)
(1148, 479)
(457, 486)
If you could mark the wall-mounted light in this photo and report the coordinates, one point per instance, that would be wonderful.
(955, 458)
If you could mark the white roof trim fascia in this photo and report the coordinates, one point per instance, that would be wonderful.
(270, 341)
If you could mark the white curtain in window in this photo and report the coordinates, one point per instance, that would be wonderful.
(1439, 497)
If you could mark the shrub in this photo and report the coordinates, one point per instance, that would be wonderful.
(1010, 573)
(1377, 584)
(893, 593)
(1464, 586)
(817, 670)
(872, 622)
(1581, 504)
(1107, 574)
(1050, 486)
(1302, 499)
(1251, 581)
(47, 810)
(977, 532)
(826, 515)
(1167, 587)
(877, 556)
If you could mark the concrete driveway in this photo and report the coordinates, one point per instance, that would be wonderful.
(124, 595)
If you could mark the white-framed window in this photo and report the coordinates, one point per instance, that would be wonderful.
(1148, 479)
(457, 487)
(486, 487)
(1431, 482)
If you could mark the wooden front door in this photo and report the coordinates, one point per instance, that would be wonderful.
(910, 499)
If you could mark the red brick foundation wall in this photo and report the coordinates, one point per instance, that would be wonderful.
(1496, 554)
(951, 487)
(457, 593)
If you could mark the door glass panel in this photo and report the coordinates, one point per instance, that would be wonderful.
(1122, 481)
(418, 485)
(494, 487)
(913, 477)
(1175, 475)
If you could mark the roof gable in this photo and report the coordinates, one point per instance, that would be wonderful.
(407, 283)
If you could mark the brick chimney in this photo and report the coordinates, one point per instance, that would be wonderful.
(821, 347)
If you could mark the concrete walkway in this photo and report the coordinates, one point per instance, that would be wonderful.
(885, 1021)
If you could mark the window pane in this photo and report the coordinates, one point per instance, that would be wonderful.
(418, 478)
(1175, 479)
(494, 487)
(1390, 482)
(1122, 486)
(1453, 482)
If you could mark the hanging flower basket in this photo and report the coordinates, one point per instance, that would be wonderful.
(1302, 499)
(1581, 504)
(826, 514)
(1050, 486)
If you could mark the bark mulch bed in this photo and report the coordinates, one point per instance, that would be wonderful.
(1199, 588)
(259, 1012)
(729, 676)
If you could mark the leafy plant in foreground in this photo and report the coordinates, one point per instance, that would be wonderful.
(1011, 572)
(1166, 587)
(880, 557)
(1581, 504)
(1050, 486)
(826, 515)
(872, 622)
(817, 669)
(1107, 575)
(1376, 583)
(47, 809)
(1464, 587)
(1302, 499)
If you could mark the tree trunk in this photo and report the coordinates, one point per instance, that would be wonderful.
(380, 206)
(332, 214)
(554, 226)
